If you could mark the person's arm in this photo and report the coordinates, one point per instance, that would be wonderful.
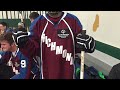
(29, 43)
(83, 42)
(33, 23)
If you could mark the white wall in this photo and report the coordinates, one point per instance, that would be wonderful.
(109, 25)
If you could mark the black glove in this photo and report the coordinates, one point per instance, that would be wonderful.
(85, 43)
(21, 38)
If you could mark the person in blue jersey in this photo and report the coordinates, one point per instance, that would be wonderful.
(4, 27)
(33, 19)
(21, 64)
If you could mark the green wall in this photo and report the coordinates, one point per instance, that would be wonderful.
(110, 50)
(14, 22)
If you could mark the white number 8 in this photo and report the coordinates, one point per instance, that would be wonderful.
(23, 63)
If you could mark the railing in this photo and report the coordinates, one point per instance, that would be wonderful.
(13, 17)
(16, 14)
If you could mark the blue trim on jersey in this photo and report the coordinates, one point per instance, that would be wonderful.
(2, 53)
(33, 24)
(78, 21)
(23, 71)
(9, 30)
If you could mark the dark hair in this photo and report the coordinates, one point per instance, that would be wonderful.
(8, 37)
(4, 24)
(33, 15)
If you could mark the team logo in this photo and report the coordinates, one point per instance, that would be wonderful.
(63, 33)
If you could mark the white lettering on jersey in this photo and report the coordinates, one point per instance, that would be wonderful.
(23, 63)
(59, 49)
(68, 57)
(48, 42)
(64, 54)
(71, 61)
(53, 46)
(15, 70)
(9, 63)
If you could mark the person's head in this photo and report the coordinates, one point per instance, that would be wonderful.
(54, 14)
(33, 16)
(20, 25)
(7, 42)
(3, 26)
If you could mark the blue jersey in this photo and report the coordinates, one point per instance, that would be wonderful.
(33, 24)
(23, 66)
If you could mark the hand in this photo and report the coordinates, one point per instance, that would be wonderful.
(85, 43)
(20, 38)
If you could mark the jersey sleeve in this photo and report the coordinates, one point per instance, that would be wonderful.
(78, 27)
(33, 44)
(33, 23)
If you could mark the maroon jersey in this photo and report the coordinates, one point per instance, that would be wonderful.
(23, 66)
(57, 45)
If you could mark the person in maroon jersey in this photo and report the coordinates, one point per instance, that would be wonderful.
(57, 34)
(16, 63)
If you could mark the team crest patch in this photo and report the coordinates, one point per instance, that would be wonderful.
(63, 33)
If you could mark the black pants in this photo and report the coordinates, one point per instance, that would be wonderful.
(114, 72)
(5, 71)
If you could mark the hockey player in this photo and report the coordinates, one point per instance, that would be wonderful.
(22, 65)
(57, 34)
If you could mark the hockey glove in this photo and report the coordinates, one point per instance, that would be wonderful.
(85, 43)
(20, 38)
